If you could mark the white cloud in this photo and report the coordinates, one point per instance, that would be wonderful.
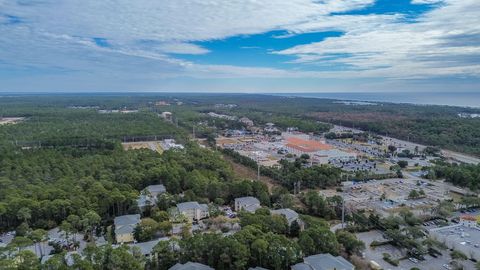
(60, 33)
(182, 48)
(141, 36)
(385, 46)
(426, 2)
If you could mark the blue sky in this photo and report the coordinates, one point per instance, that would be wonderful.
(240, 45)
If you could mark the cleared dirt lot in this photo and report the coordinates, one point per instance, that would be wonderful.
(152, 145)
(10, 120)
(248, 173)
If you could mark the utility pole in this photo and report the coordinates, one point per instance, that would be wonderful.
(343, 212)
(258, 168)
(193, 128)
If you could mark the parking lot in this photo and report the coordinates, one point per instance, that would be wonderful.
(459, 237)
(376, 254)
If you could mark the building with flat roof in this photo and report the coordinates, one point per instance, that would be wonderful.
(249, 204)
(323, 262)
(193, 211)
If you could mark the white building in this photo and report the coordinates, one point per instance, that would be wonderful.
(167, 116)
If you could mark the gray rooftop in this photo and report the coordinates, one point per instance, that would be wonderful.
(252, 208)
(147, 247)
(190, 266)
(301, 266)
(126, 224)
(247, 200)
(289, 214)
(323, 262)
(143, 201)
(156, 189)
(127, 220)
(186, 206)
(125, 229)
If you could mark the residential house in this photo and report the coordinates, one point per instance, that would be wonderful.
(124, 227)
(146, 248)
(149, 195)
(193, 211)
(323, 262)
(290, 215)
(249, 204)
(190, 266)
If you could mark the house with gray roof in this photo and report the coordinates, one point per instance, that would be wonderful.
(146, 248)
(249, 204)
(323, 262)
(148, 196)
(193, 211)
(124, 227)
(290, 215)
(190, 266)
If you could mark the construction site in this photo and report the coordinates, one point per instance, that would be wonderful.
(157, 146)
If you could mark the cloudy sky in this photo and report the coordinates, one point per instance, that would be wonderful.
(239, 45)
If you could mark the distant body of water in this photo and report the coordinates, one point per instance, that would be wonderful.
(463, 99)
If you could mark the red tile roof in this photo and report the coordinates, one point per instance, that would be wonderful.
(306, 145)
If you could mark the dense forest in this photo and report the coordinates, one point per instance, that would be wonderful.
(464, 175)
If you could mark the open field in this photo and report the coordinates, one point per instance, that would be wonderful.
(245, 172)
(10, 120)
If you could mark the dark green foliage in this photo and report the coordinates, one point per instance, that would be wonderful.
(350, 242)
(319, 206)
(266, 222)
(464, 175)
(402, 163)
(315, 240)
